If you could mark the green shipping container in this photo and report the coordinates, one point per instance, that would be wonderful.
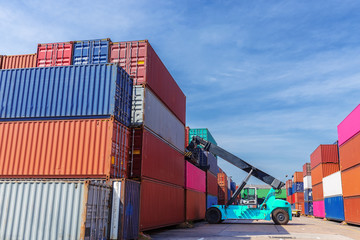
(204, 133)
(261, 193)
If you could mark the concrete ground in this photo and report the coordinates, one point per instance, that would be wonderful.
(298, 228)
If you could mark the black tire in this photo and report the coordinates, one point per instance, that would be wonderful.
(213, 215)
(280, 216)
(298, 214)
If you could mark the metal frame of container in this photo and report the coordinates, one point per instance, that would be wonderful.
(19, 61)
(54, 54)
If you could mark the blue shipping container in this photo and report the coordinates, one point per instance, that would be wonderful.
(207, 161)
(334, 208)
(297, 187)
(308, 208)
(289, 192)
(308, 194)
(91, 51)
(211, 200)
(232, 186)
(229, 194)
(65, 92)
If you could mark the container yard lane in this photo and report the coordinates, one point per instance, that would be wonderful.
(298, 228)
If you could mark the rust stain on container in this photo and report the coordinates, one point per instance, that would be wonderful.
(63, 148)
(19, 61)
(351, 181)
(351, 208)
(325, 153)
(318, 192)
(211, 184)
(350, 153)
(195, 205)
(323, 170)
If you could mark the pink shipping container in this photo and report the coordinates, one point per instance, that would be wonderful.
(142, 63)
(349, 127)
(325, 153)
(195, 178)
(19, 61)
(319, 209)
(54, 54)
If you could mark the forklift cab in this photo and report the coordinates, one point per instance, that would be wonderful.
(249, 196)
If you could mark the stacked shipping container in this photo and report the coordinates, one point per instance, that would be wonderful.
(308, 199)
(333, 198)
(289, 191)
(298, 191)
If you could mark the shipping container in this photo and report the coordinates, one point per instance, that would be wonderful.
(148, 110)
(298, 197)
(85, 148)
(308, 195)
(195, 205)
(297, 187)
(351, 208)
(101, 90)
(288, 183)
(308, 208)
(318, 192)
(306, 169)
(211, 200)
(195, 178)
(350, 153)
(334, 208)
(125, 208)
(222, 179)
(351, 181)
(204, 133)
(222, 195)
(349, 127)
(289, 191)
(307, 182)
(207, 161)
(187, 129)
(91, 51)
(289, 199)
(232, 186)
(300, 206)
(323, 170)
(325, 153)
(319, 209)
(332, 185)
(54, 209)
(161, 204)
(19, 61)
(298, 177)
(1, 57)
(211, 184)
(153, 157)
(263, 192)
(54, 54)
(140, 60)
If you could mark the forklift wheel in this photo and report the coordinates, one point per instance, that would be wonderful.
(213, 215)
(280, 216)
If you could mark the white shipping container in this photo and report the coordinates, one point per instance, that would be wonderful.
(147, 109)
(332, 185)
(307, 182)
(74, 209)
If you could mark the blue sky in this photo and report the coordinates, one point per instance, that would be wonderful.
(270, 79)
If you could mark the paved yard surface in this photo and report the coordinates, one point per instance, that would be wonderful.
(298, 228)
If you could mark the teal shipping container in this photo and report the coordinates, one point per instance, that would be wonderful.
(204, 133)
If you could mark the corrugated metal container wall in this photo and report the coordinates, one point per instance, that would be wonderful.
(332, 185)
(307, 182)
(289, 183)
(195, 205)
(298, 177)
(211, 200)
(222, 195)
(308, 195)
(54, 54)
(91, 51)
(211, 184)
(325, 153)
(318, 192)
(222, 179)
(125, 209)
(146, 160)
(289, 198)
(139, 59)
(349, 126)
(148, 110)
(66, 92)
(350, 153)
(204, 133)
(334, 208)
(85, 148)
(289, 191)
(161, 204)
(195, 178)
(207, 161)
(319, 209)
(19, 61)
(298, 187)
(300, 206)
(351, 207)
(54, 209)
(308, 208)
(298, 197)
(351, 181)
(323, 170)
(306, 169)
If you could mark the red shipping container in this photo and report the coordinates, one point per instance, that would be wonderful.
(318, 192)
(325, 153)
(187, 130)
(19, 61)
(87, 148)
(350, 179)
(222, 179)
(54, 54)
(288, 183)
(289, 199)
(195, 205)
(152, 157)
(211, 184)
(142, 63)
(1, 57)
(351, 208)
(195, 178)
(350, 153)
(323, 170)
(161, 204)
(298, 197)
(298, 177)
(306, 170)
(222, 195)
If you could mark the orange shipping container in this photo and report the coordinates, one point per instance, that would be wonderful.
(351, 208)
(300, 206)
(19, 61)
(350, 153)
(323, 170)
(298, 197)
(318, 192)
(350, 179)
(325, 153)
(195, 205)
(298, 177)
(289, 183)
(222, 179)
(87, 148)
